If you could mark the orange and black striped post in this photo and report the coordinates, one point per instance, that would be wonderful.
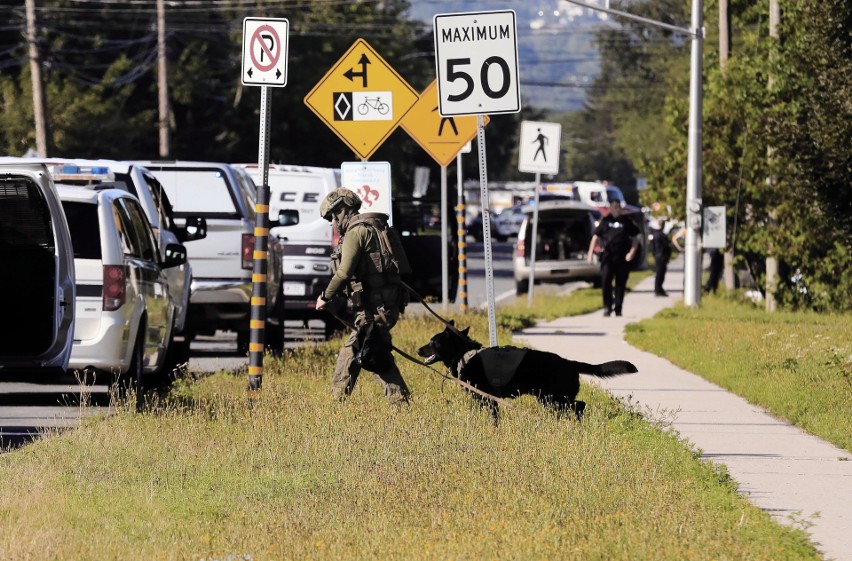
(462, 235)
(462, 244)
(261, 252)
(258, 288)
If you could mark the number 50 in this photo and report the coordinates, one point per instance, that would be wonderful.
(453, 74)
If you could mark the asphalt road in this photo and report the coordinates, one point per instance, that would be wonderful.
(28, 409)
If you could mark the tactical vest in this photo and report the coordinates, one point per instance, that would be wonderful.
(376, 280)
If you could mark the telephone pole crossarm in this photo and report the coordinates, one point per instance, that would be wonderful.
(685, 31)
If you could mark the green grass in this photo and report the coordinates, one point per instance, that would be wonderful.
(213, 472)
(796, 365)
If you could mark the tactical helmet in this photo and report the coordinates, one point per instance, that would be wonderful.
(337, 198)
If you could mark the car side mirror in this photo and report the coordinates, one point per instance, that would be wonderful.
(175, 255)
(195, 229)
(288, 217)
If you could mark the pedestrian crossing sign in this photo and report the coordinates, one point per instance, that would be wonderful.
(539, 146)
(441, 137)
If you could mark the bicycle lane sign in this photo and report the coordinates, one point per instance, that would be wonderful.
(361, 99)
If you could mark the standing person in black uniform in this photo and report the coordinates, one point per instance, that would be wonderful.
(367, 269)
(717, 267)
(618, 237)
(662, 253)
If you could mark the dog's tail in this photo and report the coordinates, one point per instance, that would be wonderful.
(606, 369)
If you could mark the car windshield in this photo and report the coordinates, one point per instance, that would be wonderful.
(197, 191)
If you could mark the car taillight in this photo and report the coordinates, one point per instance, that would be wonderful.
(115, 287)
(519, 248)
(248, 251)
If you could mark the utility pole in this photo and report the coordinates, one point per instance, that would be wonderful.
(772, 180)
(38, 83)
(694, 206)
(162, 80)
(724, 55)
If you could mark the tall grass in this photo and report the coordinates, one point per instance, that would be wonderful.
(213, 472)
(796, 365)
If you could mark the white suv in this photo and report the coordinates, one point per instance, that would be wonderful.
(565, 230)
(37, 285)
(125, 310)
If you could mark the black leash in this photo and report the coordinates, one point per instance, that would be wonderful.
(453, 379)
(420, 299)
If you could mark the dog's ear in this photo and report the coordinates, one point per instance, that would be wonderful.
(466, 330)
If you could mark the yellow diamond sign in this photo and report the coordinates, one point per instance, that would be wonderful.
(441, 137)
(362, 99)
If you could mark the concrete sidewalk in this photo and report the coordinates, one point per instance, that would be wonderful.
(797, 478)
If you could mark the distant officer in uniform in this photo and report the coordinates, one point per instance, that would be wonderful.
(619, 241)
(363, 275)
(662, 254)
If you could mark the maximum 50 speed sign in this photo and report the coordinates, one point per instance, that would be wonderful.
(476, 60)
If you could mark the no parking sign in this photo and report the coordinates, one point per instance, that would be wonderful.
(265, 51)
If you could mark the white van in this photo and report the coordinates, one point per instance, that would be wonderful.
(37, 287)
(306, 265)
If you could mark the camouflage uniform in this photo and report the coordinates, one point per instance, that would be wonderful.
(375, 295)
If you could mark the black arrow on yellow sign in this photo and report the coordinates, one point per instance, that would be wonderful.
(363, 73)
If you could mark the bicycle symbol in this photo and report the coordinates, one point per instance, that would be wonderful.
(373, 103)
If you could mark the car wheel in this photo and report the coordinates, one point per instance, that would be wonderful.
(522, 286)
(135, 375)
(177, 355)
(274, 336)
(243, 337)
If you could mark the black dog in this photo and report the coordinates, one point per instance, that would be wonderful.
(508, 372)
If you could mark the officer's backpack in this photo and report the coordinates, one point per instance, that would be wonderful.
(394, 260)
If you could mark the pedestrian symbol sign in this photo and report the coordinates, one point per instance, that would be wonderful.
(441, 137)
(538, 147)
(362, 99)
(265, 51)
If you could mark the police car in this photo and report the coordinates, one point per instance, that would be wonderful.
(125, 310)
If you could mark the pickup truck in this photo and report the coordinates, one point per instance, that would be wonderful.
(222, 262)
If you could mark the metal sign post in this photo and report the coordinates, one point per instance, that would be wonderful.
(546, 138)
(486, 233)
(534, 242)
(445, 272)
(264, 64)
(476, 62)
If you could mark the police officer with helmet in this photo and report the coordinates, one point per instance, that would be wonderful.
(366, 272)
